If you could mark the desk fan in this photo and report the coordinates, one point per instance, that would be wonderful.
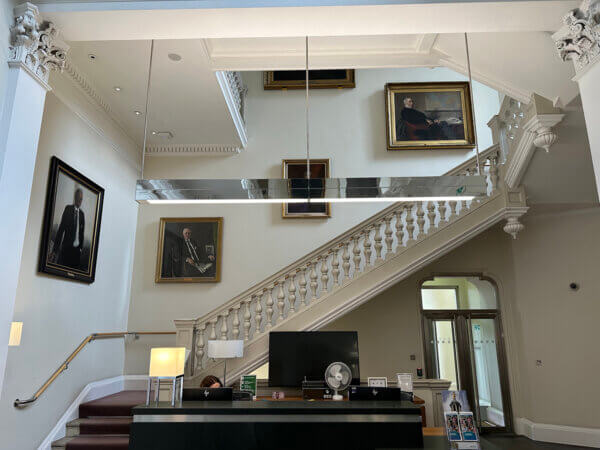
(338, 377)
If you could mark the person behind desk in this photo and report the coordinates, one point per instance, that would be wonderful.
(210, 381)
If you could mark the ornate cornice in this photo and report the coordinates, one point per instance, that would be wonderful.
(579, 38)
(35, 44)
(192, 149)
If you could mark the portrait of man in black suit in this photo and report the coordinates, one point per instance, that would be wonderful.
(71, 229)
(189, 250)
(68, 242)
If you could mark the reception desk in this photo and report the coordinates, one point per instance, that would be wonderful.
(277, 425)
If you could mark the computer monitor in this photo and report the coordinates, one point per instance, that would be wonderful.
(298, 355)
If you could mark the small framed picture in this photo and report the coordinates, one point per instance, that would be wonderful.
(71, 229)
(189, 250)
(452, 426)
(296, 169)
(467, 426)
(377, 382)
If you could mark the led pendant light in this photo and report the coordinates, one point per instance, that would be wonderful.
(320, 190)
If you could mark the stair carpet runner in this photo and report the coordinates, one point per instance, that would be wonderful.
(102, 424)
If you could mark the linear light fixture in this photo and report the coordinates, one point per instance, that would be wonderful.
(317, 190)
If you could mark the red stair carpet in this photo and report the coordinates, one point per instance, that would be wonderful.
(103, 423)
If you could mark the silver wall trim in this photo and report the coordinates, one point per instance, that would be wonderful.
(276, 418)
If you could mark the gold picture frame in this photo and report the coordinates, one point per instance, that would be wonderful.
(318, 79)
(429, 116)
(192, 256)
(296, 168)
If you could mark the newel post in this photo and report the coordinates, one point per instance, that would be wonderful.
(185, 338)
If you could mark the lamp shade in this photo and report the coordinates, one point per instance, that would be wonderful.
(16, 328)
(167, 361)
(225, 349)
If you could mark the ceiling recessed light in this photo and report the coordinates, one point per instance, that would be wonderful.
(92, 57)
(174, 57)
(117, 89)
(137, 113)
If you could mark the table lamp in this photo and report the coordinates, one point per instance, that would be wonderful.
(167, 363)
(223, 349)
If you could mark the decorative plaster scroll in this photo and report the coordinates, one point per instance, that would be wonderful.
(579, 38)
(238, 90)
(35, 45)
(234, 93)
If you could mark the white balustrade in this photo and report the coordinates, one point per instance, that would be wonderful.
(394, 229)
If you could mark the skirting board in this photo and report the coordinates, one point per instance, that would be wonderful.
(90, 392)
(558, 434)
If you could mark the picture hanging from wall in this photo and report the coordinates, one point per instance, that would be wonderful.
(71, 227)
(189, 250)
(317, 79)
(429, 116)
(296, 169)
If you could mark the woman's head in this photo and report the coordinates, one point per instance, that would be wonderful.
(210, 381)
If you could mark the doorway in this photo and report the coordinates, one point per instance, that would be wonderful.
(462, 333)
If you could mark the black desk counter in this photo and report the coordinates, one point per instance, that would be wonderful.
(277, 425)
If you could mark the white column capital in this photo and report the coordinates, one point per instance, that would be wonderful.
(578, 40)
(35, 44)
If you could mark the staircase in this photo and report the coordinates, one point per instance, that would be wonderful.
(102, 424)
(349, 270)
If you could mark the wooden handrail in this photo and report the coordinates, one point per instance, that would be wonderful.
(92, 337)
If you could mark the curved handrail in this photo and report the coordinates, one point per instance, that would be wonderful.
(92, 337)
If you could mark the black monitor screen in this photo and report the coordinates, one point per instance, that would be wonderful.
(296, 355)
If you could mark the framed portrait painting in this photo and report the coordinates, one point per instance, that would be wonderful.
(429, 116)
(71, 227)
(317, 79)
(189, 250)
(296, 169)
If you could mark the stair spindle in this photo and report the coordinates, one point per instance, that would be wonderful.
(389, 240)
(410, 223)
(378, 239)
(280, 299)
(324, 274)
(357, 258)
(269, 304)
(442, 206)
(431, 215)
(224, 329)
(257, 313)
(400, 228)
(292, 293)
(235, 332)
(367, 246)
(313, 280)
(302, 284)
(335, 267)
(493, 173)
(200, 346)
(247, 317)
(213, 331)
(346, 261)
(420, 221)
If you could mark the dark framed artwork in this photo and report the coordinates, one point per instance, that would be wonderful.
(71, 228)
(296, 169)
(317, 79)
(429, 116)
(189, 250)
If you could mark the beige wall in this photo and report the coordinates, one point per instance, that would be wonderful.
(57, 313)
(542, 318)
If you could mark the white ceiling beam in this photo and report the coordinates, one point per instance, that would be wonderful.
(145, 20)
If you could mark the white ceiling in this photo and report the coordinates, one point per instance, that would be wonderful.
(185, 97)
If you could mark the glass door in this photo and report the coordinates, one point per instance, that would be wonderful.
(464, 347)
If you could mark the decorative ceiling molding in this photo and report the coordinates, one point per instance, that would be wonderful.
(578, 40)
(35, 45)
(234, 92)
(192, 149)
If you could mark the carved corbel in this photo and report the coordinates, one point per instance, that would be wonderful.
(578, 40)
(35, 44)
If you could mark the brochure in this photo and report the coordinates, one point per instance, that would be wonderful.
(452, 427)
(467, 426)
(455, 401)
(248, 383)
